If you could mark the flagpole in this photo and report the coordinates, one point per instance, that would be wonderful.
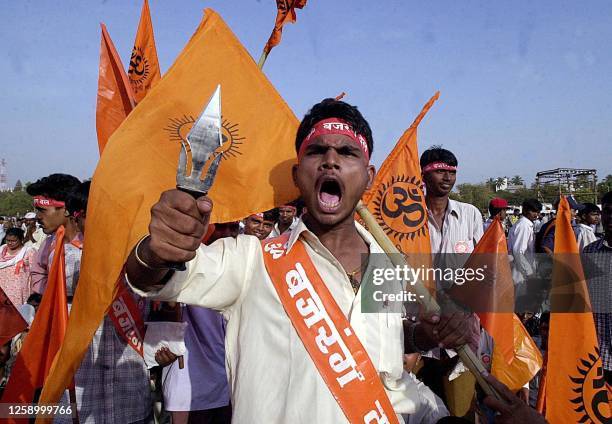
(262, 59)
(468, 357)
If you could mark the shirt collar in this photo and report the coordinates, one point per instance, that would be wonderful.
(301, 230)
(453, 208)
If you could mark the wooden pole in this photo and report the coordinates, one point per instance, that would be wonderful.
(262, 59)
(468, 357)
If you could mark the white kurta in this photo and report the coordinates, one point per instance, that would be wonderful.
(271, 375)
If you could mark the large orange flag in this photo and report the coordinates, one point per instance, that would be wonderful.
(575, 390)
(516, 358)
(142, 157)
(493, 297)
(115, 97)
(397, 200)
(285, 13)
(11, 321)
(45, 337)
(144, 67)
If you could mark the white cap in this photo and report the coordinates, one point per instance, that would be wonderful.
(30, 215)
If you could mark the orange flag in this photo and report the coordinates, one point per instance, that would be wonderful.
(526, 357)
(45, 337)
(141, 161)
(285, 13)
(492, 298)
(576, 390)
(144, 67)
(115, 97)
(397, 200)
(11, 321)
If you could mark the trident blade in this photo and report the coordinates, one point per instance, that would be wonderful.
(202, 141)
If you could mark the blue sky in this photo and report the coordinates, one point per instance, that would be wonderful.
(525, 85)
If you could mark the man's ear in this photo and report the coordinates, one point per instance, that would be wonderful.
(294, 170)
(371, 175)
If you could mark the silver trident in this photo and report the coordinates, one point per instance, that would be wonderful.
(202, 141)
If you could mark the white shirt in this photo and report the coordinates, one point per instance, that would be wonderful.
(272, 377)
(585, 235)
(521, 244)
(461, 230)
(276, 231)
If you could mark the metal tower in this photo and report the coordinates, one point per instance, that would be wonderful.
(3, 176)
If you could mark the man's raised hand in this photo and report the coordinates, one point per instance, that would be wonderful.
(178, 223)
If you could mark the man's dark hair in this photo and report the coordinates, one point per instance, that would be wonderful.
(271, 215)
(15, 231)
(607, 198)
(438, 154)
(532, 205)
(77, 199)
(331, 108)
(494, 211)
(35, 297)
(588, 208)
(55, 186)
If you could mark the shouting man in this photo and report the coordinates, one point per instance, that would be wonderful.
(298, 347)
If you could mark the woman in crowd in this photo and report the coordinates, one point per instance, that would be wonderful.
(15, 261)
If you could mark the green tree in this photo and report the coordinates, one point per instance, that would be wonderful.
(517, 180)
(604, 186)
(15, 203)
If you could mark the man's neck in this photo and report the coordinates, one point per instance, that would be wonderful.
(283, 227)
(70, 232)
(436, 204)
(337, 238)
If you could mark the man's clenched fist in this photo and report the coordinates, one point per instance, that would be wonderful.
(178, 223)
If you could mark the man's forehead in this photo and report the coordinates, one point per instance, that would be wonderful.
(333, 140)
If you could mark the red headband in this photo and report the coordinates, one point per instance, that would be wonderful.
(45, 202)
(334, 126)
(434, 166)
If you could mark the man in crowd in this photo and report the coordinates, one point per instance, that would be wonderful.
(34, 234)
(521, 244)
(589, 216)
(272, 377)
(287, 219)
(454, 229)
(597, 259)
(50, 195)
(497, 207)
(260, 225)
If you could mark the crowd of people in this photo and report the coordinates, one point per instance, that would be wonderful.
(243, 359)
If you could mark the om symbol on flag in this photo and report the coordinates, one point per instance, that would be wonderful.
(400, 207)
(139, 67)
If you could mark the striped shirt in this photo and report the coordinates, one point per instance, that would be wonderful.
(597, 263)
(461, 229)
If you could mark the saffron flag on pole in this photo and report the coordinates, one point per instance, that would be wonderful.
(115, 96)
(258, 129)
(576, 389)
(285, 13)
(516, 359)
(397, 200)
(144, 71)
(11, 321)
(45, 337)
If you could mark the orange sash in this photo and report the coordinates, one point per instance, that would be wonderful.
(326, 333)
(126, 317)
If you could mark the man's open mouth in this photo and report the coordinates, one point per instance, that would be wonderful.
(329, 194)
